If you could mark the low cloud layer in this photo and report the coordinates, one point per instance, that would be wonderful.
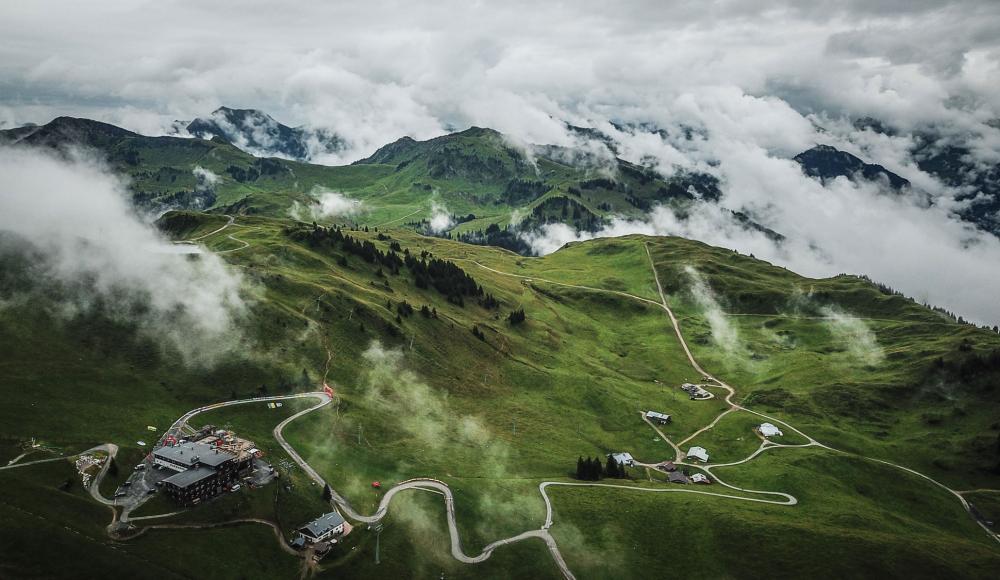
(77, 217)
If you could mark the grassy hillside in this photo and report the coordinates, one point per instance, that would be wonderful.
(420, 395)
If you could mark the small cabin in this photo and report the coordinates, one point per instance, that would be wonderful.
(661, 418)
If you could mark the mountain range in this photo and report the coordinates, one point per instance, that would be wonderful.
(488, 187)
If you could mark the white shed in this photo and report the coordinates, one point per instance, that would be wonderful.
(623, 458)
(698, 453)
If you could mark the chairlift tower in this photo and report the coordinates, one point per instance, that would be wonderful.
(378, 536)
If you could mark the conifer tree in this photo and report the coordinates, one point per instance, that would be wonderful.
(611, 467)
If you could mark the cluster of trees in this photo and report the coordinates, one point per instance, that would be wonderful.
(320, 237)
(599, 183)
(520, 190)
(260, 168)
(404, 309)
(456, 161)
(428, 272)
(443, 276)
(890, 291)
(516, 316)
(489, 302)
(478, 333)
(972, 365)
(641, 174)
(591, 469)
(494, 235)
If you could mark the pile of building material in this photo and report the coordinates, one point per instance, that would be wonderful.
(661, 418)
(88, 466)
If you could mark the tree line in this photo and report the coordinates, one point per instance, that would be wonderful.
(591, 469)
(428, 272)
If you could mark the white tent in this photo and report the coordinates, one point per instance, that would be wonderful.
(769, 430)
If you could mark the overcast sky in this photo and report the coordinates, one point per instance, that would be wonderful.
(760, 80)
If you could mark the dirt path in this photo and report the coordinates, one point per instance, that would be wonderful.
(211, 233)
(399, 219)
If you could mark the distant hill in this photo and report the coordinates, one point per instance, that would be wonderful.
(825, 162)
(258, 133)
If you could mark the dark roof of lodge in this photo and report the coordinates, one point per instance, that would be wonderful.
(321, 525)
(189, 476)
(190, 453)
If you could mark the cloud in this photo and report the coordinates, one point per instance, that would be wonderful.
(423, 412)
(326, 204)
(76, 217)
(205, 179)
(854, 335)
(723, 333)
(440, 221)
(459, 64)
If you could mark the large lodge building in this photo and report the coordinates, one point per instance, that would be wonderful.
(204, 468)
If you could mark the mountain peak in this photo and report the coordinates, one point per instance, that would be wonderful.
(827, 162)
(259, 134)
(63, 130)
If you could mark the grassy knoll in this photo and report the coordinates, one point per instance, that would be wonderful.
(859, 368)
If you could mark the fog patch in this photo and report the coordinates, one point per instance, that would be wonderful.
(724, 334)
(326, 204)
(87, 240)
(852, 333)
(205, 180)
(441, 220)
(422, 411)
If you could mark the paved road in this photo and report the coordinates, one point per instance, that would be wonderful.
(424, 484)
